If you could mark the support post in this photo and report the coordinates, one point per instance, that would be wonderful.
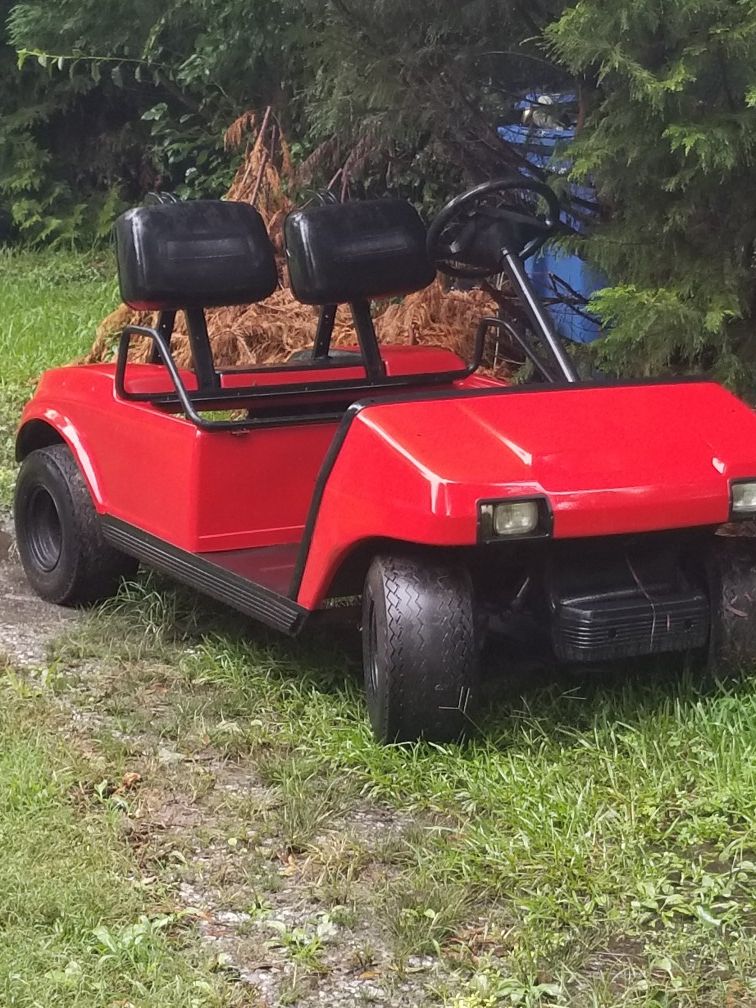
(324, 332)
(371, 351)
(202, 354)
(538, 315)
(166, 322)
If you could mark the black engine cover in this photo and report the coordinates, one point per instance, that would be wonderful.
(626, 602)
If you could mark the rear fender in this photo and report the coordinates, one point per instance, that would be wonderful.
(44, 426)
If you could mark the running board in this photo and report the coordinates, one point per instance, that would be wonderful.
(276, 611)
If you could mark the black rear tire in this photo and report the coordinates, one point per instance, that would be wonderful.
(419, 650)
(733, 595)
(66, 559)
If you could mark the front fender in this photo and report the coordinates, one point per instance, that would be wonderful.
(616, 459)
(372, 489)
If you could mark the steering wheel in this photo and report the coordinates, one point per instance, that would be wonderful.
(467, 237)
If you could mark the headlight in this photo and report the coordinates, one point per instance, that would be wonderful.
(507, 519)
(743, 496)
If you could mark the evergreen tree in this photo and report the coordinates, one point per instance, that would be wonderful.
(669, 141)
(407, 98)
(69, 150)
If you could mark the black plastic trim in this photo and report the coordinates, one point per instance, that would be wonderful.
(276, 611)
(317, 497)
(299, 367)
(205, 399)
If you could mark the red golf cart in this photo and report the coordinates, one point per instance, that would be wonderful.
(447, 499)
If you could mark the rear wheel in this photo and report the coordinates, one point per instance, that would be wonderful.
(60, 541)
(419, 649)
(733, 592)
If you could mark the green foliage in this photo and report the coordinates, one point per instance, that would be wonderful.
(192, 158)
(195, 67)
(412, 103)
(406, 104)
(670, 143)
(382, 101)
(34, 195)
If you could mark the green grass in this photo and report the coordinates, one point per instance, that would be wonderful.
(50, 305)
(603, 834)
(77, 927)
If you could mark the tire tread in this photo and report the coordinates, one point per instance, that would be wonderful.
(428, 654)
(90, 568)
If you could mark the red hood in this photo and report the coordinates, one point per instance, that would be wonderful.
(610, 459)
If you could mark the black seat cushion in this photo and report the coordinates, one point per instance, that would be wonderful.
(199, 254)
(345, 252)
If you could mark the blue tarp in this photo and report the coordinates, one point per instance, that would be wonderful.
(557, 274)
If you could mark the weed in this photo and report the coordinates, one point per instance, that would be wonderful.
(306, 804)
(75, 928)
(421, 914)
(303, 945)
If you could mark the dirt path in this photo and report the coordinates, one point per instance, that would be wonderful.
(27, 624)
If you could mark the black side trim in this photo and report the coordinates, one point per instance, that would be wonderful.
(432, 396)
(320, 484)
(252, 599)
(298, 366)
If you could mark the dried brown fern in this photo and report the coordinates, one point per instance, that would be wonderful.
(269, 332)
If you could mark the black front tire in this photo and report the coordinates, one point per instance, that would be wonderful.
(66, 559)
(419, 650)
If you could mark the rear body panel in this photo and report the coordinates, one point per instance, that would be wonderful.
(195, 490)
(199, 491)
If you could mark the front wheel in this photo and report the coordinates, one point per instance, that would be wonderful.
(419, 650)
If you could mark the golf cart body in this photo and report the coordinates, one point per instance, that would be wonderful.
(336, 474)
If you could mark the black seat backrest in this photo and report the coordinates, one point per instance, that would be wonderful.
(349, 252)
(199, 254)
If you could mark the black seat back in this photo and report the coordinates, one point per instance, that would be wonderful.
(199, 254)
(349, 252)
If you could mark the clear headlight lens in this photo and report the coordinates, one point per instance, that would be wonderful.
(508, 519)
(744, 498)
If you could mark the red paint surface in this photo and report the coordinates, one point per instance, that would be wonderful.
(609, 460)
(197, 490)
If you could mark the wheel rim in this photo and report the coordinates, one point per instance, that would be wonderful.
(372, 657)
(44, 532)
